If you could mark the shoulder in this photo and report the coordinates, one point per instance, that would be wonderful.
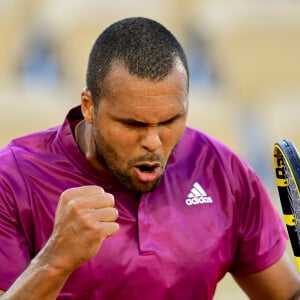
(25, 153)
(196, 144)
(195, 139)
(203, 156)
(32, 144)
(44, 142)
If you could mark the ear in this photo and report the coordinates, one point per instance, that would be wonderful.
(87, 105)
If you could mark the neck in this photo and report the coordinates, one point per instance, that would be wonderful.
(84, 140)
(79, 134)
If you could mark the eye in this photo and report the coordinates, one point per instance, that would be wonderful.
(168, 122)
(172, 120)
(132, 123)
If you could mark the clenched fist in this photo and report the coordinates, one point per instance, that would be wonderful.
(85, 216)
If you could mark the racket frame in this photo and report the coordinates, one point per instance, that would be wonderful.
(287, 174)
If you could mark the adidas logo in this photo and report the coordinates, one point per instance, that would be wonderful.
(197, 195)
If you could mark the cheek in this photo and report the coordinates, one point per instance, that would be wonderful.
(169, 139)
(122, 141)
(171, 135)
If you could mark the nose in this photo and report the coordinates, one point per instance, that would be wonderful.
(150, 139)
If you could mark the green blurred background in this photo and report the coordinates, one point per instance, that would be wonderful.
(244, 58)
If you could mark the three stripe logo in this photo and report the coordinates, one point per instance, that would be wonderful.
(197, 195)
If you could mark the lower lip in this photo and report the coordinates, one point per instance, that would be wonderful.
(147, 176)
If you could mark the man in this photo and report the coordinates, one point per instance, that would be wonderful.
(123, 201)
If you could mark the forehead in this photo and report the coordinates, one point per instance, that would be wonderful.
(127, 94)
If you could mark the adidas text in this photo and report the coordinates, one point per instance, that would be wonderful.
(198, 200)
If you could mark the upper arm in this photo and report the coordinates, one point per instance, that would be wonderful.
(278, 282)
(15, 224)
(2, 292)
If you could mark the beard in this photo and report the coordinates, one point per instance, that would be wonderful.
(122, 170)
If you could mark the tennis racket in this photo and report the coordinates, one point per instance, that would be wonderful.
(287, 172)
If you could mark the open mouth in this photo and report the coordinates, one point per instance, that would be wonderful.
(146, 169)
(147, 172)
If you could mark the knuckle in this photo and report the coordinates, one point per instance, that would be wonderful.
(86, 220)
(64, 196)
(115, 213)
(109, 198)
(114, 228)
(95, 189)
(74, 206)
(108, 229)
(109, 214)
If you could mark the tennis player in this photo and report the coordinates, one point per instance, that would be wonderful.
(124, 201)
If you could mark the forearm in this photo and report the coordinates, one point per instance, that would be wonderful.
(85, 216)
(39, 281)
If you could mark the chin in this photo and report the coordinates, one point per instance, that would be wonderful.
(145, 187)
(133, 184)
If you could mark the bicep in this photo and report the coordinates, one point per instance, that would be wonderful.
(2, 292)
(278, 282)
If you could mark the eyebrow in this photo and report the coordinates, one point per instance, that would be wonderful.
(131, 121)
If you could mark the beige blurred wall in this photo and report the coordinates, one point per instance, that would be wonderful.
(249, 99)
(252, 47)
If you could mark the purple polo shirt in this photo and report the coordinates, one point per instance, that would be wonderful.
(209, 215)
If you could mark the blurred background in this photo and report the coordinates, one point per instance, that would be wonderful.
(244, 58)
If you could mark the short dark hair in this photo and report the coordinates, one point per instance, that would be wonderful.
(147, 48)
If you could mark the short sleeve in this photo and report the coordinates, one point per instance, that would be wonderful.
(262, 236)
(14, 249)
